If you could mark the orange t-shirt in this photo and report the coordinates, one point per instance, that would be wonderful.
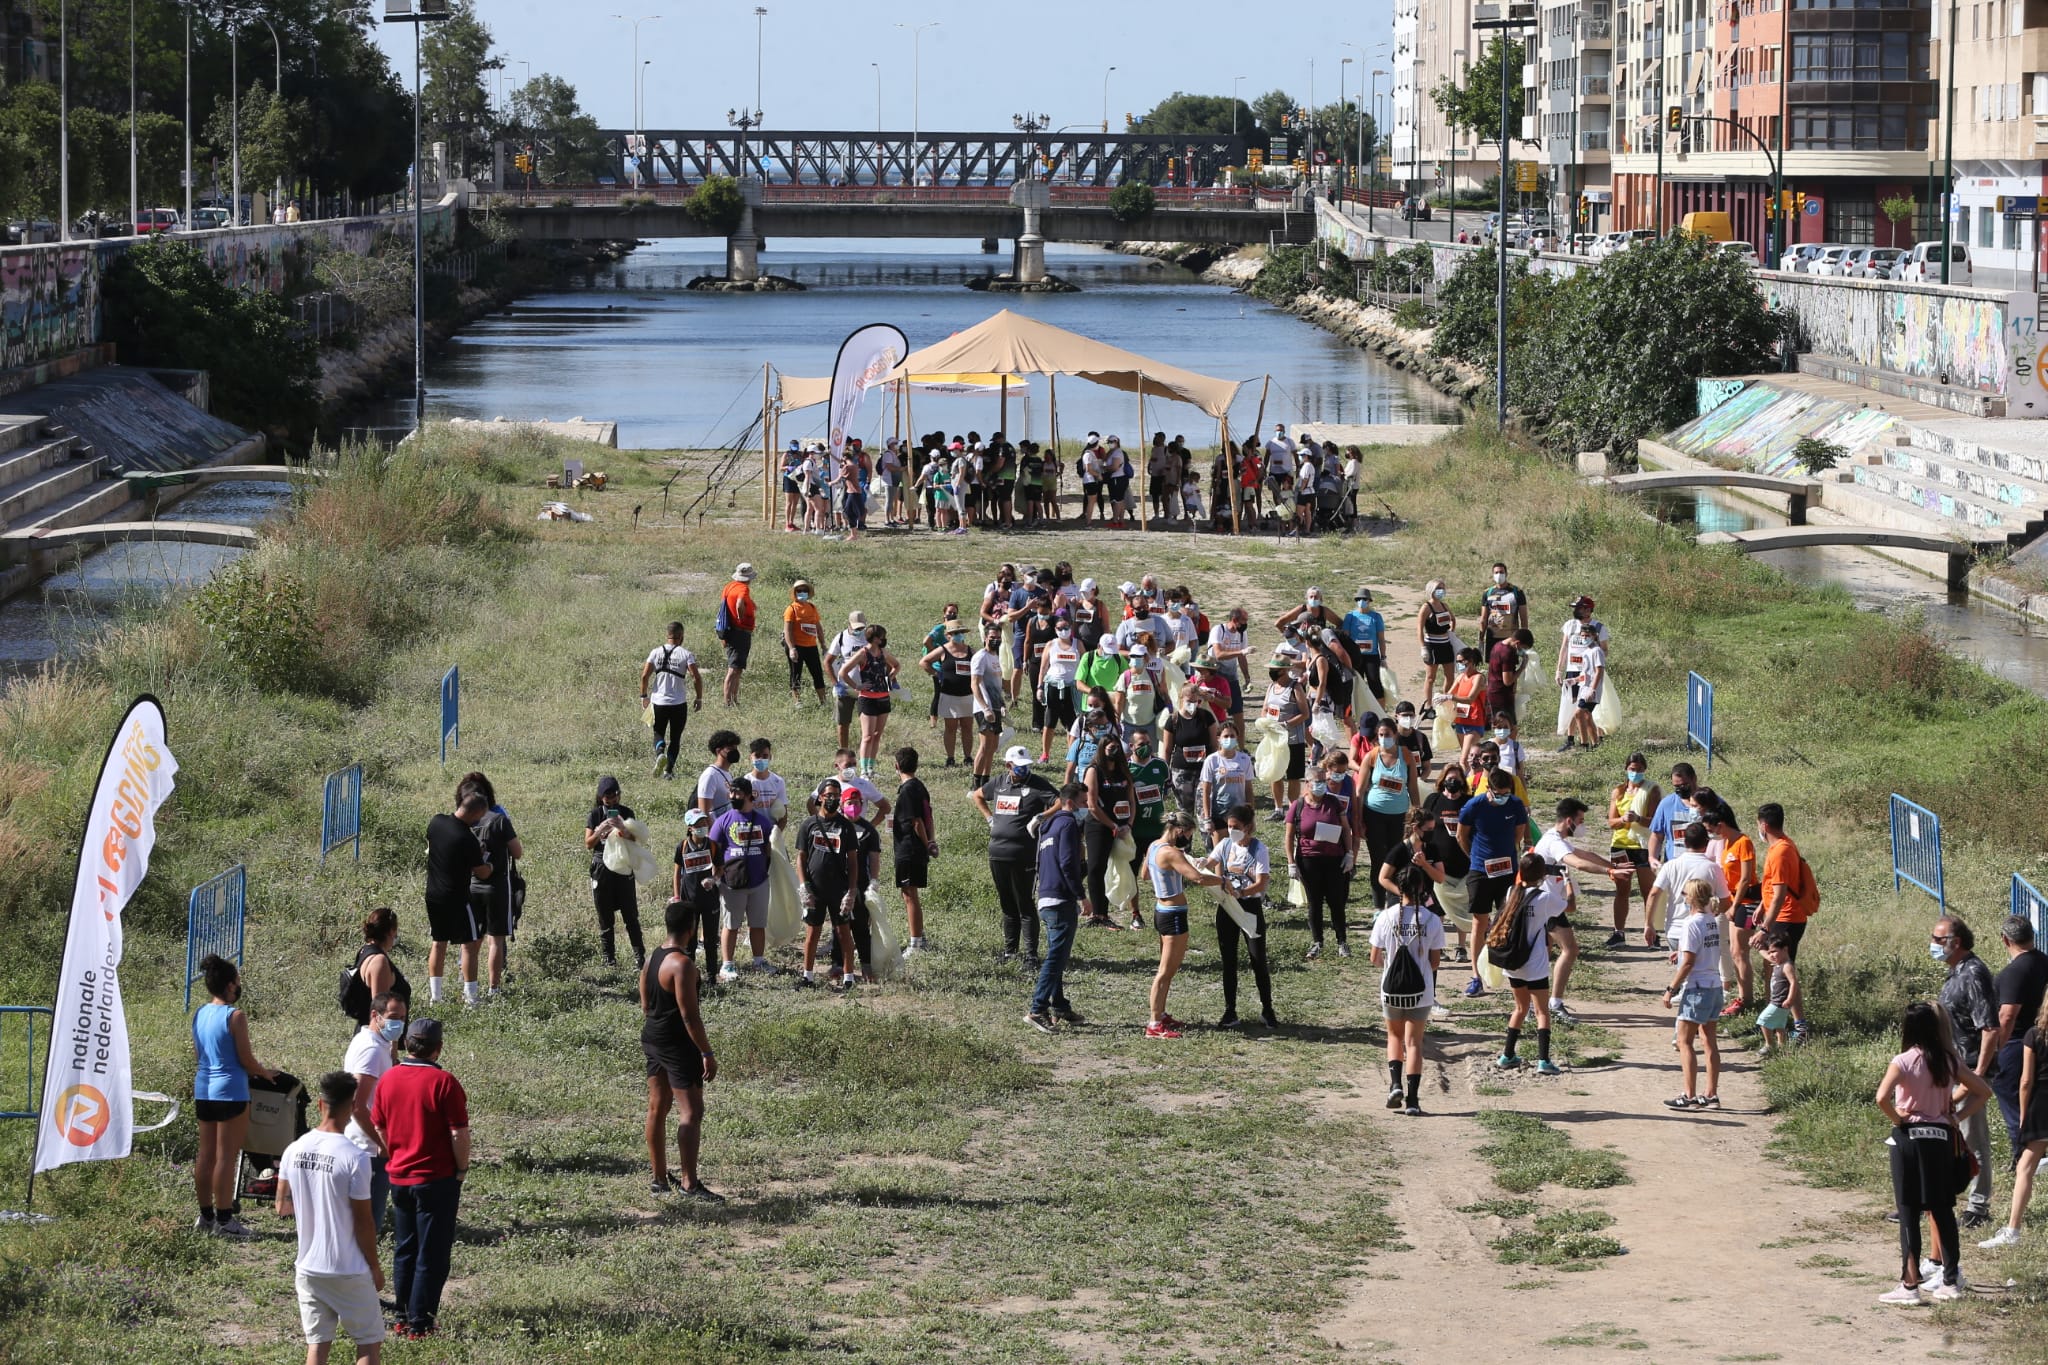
(739, 605)
(1781, 868)
(1739, 851)
(802, 619)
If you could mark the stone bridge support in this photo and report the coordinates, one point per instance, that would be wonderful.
(743, 246)
(1034, 197)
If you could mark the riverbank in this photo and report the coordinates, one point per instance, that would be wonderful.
(923, 1113)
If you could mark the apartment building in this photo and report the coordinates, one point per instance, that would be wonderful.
(2001, 122)
(1444, 48)
(1568, 93)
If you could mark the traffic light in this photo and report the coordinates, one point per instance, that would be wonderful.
(1257, 158)
(523, 162)
(1674, 118)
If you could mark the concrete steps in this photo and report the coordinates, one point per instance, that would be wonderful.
(27, 460)
(2000, 495)
(16, 431)
(24, 499)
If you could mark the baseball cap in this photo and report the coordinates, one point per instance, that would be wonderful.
(1016, 753)
(851, 802)
(607, 786)
(696, 817)
(1127, 588)
(1087, 585)
(423, 1035)
(744, 573)
(1138, 650)
(856, 618)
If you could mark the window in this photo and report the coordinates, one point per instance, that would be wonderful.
(1987, 223)
(1852, 222)
(2012, 234)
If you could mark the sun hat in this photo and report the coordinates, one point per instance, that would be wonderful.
(744, 573)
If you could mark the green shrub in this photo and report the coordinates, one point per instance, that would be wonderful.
(717, 204)
(1413, 314)
(1131, 201)
(1817, 455)
(260, 620)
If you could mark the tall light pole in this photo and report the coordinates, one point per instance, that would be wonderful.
(760, 18)
(634, 88)
(1373, 152)
(1235, 82)
(916, 89)
(1464, 74)
(63, 128)
(276, 97)
(134, 150)
(878, 97)
(1105, 98)
(235, 118)
(188, 116)
(1516, 16)
(1343, 76)
(416, 13)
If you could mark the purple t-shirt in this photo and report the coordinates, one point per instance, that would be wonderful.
(743, 834)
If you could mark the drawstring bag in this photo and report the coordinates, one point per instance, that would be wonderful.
(1402, 987)
(1269, 760)
(785, 912)
(886, 958)
(1119, 883)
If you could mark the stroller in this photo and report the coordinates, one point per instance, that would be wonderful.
(277, 1119)
(1336, 505)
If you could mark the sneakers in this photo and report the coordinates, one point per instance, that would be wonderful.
(2001, 1239)
(1616, 940)
(1161, 1031)
(805, 981)
(1507, 1061)
(701, 1193)
(1733, 1008)
(1905, 1295)
(1709, 1102)
(661, 1189)
(1343, 948)
(232, 1226)
(1041, 1022)
(1269, 1019)
(1546, 1067)
(1315, 950)
(1562, 1013)
(727, 971)
(1413, 1110)
(1227, 1021)
(1474, 989)
(1568, 745)
(1679, 1102)
(1137, 920)
(762, 964)
(1070, 1017)
(1945, 1293)
(1394, 1097)
(1974, 1218)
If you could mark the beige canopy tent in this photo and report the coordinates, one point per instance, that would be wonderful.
(1010, 344)
(796, 392)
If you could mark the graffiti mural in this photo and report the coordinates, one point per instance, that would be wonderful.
(1760, 425)
(1714, 392)
(1949, 336)
(50, 295)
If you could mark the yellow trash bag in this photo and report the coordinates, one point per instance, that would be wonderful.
(1491, 976)
(647, 715)
(1269, 760)
(1362, 699)
(785, 912)
(1607, 711)
(1173, 679)
(1456, 902)
(1389, 683)
(1007, 657)
(886, 958)
(1119, 883)
(1441, 736)
(1297, 894)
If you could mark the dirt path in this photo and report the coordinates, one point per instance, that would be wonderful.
(1729, 1257)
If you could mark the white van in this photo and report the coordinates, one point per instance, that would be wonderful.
(1922, 265)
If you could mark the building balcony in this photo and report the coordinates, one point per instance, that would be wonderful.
(1594, 140)
(1595, 32)
(1594, 87)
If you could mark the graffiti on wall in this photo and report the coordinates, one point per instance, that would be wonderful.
(1714, 392)
(1759, 426)
(50, 295)
(49, 302)
(1924, 332)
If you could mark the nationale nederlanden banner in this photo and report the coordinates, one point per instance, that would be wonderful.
(88, 1111)
(865, 359)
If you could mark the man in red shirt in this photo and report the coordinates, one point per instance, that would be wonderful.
(1503, 671)
(736, 628)
(424, 1116)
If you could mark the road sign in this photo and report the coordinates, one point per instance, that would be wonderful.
(1322, 157)
(1528, 177)
(1277, 148)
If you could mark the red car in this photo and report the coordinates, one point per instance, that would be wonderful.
(156, 220)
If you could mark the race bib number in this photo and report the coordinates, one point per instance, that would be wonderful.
(745, 836)
(697, 862)
(1122, 811)
(1148, 795)
(1192, 754)
(963, 667)
(1499, 867)
(1009, 805)
(1390, 784)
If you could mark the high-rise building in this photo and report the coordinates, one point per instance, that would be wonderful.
(2000, 104)
(1568, 89)
(1445, 49)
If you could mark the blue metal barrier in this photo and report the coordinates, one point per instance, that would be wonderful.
(213, 922)
(1699, 715)
(31, 1101)
(341, 812)
(2028, 901)
(1916, 849)
(451, 711)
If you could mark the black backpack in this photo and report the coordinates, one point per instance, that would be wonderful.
(351, 992)
(1403, 986)
(1507, 940)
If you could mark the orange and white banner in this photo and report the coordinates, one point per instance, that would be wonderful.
(88, 1104)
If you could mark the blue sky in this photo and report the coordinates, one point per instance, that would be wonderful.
(983, 63)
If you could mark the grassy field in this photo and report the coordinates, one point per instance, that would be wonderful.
(914, 1175)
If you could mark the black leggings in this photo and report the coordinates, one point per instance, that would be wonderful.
(806, 656)
(1014, 879)
(1097, 844)
(1322, 877)
(1227, 935)
(668, 724)
(1382, 837)
(1923, 1181)
(616, 896)
(1371, 665)
(707, 935)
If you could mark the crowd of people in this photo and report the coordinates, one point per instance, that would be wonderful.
(954, 484)
(1113, 742)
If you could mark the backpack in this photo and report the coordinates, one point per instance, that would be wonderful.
(1507, 944)
(351, 992)
(1812, 896)
(1402, 987)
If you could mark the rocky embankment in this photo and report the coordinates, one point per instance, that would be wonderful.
(1369, 328)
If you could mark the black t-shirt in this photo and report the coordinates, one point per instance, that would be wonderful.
(1015, 804)
(495, 833)
(1189, 740)
(1442, 841)
(913, 803)
(452, 850)
(698, 865)
(1037, 635)
(598, 815)
(2023, 982)
(835, 851)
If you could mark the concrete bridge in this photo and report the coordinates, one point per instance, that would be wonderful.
(1031, 213)
(1796, 492)
(1960, 553)
(147, 485)
(37, 547)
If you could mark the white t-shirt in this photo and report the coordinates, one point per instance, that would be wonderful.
(770, 792)
(1700, 935)
(1555, 848)
(1091, 465)
(1279, 456)
(1592, 659)
(325, 1172)
(1249, 860)
(845, 645)
(1544, 906)
(368, 1055)
(671, 664)
(1228, 777)
(1671, 879)
(717, 786)
(988, 682)
(1576, 637)
(1415, 930)
(1182, 632)
(1062, 661)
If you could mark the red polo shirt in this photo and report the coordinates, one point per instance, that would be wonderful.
(418, 1108)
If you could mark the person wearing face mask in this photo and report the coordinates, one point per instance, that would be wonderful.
(802, 636)
(1391, 790)
(935, 638)
(1135, 698)
(1226, 782)
(1170, 868)
(1247, 872)
(1366, 629)
(1690, 863)
(220, 1095)
(845, 856)
(714, 784)
(844, 646)
(1328, 676)
(1504, 662)
(1563, 858)
(1630, 806)
(661, 686)
(771, 793)
(739, 848)
(1581, 631)
(1503, 610)
(1287, 705)
(1407, 927)
(1321, 849)
(1434, 624)
(1182, 630)
(991, 705)
(1056, 679)
(372, 1051)
(1012, 802)
(846, 772)
(1674, 813)
(1102, 665)
(1190, 739)
(954, 664)
(1532, 902)
(1492, 830)
(615, 893)
(1095, 727)
(1149, 780)
(696, 882)
(1414, 738)
(1228, 646)
(1442, 809)
(1468, 706)
(1110, 808)
(1309, 619)
(872, 671)
(1041, 628)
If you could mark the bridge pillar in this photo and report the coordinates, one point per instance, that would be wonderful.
(1795, 509)
(743, 247)
(1033, 196)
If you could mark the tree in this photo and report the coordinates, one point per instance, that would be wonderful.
(455, 54)
(275, 139)
(1131, 201)
(1198, 116)
(1272, 109)
(545, 108)
(716, 204)
(1475, 105)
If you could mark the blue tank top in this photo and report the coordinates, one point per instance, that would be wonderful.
(1383, 799)
(1167, 885)
(220, 1062)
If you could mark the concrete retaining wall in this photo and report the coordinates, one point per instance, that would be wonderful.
(50, 294)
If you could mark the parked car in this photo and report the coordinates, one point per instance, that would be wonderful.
(209, 217)
(1540, 239)
(1922, 264)
(1832, 263)
(1876, 262)
(1741, 251)
(1415, 207)
(1800, 259)
(1582, 243)
(156, 220)
(1625, 240)
(28, 231)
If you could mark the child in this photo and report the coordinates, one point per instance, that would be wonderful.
(1697, 984)
(696, 881)
(1777, 1016)
(1191, 496)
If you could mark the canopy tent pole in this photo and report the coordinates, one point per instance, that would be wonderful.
(1140, 476)
(1003, 406)
(1258, 425)
(769, 482)
(910, 424)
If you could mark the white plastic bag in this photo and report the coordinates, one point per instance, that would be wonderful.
(1005, 739)
(1607, 711)
(1457, 644)
(1441, 736)
(1389, 684)
(885, 956)
(647, 715)
(1328, 730)
(628, 853)
(1297, 894)
(1491, 976)
(785, 911)
(878, 491)
(1172, 678)
(1237, 913)
(1119, 883)
(1269, 760)
(1182, 657)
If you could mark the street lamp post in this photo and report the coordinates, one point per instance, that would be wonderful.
(1451, 232)
(1341, 77)
(276, 96)
(1105, 99)
(1235, 83)
(134, 150)
(1518, 16)
(1948, 138)
(235, 119)
(188, 116)
(634, 88)
(916, 89)
(760, 20)
(1373, 166)
(417, 12)
(63, 128)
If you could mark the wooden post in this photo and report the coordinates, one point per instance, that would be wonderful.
(1140, 474)
(910, 425)
(769, 481)
(1258, 426)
